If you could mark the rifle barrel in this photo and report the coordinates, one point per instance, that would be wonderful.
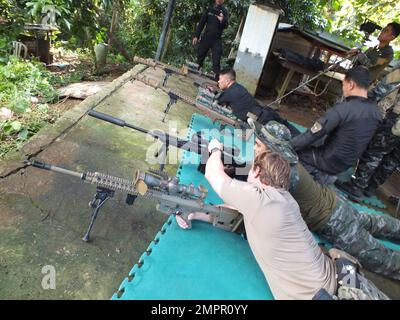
(164, 137)
(50, 167)
(116, 121)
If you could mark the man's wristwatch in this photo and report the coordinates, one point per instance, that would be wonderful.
(215, 149)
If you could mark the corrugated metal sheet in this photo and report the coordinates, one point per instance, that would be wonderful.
(323, 38)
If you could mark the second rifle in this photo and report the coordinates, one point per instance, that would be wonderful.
(197, 144)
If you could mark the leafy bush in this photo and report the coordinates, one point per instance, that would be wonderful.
(21, 81)
(12, 19)
(25, 90)
(14, 132)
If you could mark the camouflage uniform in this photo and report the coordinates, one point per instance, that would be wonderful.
(381, 91)
(370, 59)
(381, 157)
(355, 232)
(367, 291)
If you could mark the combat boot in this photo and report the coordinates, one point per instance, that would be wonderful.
(350, 189)
(369, 192)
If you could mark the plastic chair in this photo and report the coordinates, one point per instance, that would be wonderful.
(18, 48)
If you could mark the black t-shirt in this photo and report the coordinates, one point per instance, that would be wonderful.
(240, 101)
(341, 135)
(208, 19)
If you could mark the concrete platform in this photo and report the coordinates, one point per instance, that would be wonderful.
(43, 215)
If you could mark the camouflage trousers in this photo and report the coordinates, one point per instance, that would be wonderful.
(381, 157)
(355, 232)
(367, 291)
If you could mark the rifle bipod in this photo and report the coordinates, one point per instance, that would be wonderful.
(162, 154)
(100, 198)
(173, 98)
(168, 73)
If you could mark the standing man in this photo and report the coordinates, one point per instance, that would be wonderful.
(382, 156)
(337, 139)
(377, 58)
(215, 20)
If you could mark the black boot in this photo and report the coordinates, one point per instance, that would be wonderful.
(369, 192)
(350, 189)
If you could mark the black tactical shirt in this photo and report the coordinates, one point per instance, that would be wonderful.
(214, 28)
(340, 136)
(240, 101)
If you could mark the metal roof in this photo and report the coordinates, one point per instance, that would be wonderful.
(324, 38)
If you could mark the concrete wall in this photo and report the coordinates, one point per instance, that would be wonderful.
(255, 43)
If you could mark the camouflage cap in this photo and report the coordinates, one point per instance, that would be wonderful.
(275, 136)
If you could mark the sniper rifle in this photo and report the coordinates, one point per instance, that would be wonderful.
(173, 198)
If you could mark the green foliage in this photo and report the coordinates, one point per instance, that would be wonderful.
(142, 20)
(85, 23)
(37, 9)
(14, 132)
(305, 14)
(12, 17)
(20, 81)
(140, 26)
(345, 16)
(65, 79)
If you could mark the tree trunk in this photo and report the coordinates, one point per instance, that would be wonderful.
(113, 40)
(167, 41)
(120, 47)
(113, 26)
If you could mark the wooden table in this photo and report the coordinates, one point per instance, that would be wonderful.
(42, 48)
(293, 67)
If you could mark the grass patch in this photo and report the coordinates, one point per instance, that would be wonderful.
(25, 92)
(14, 132)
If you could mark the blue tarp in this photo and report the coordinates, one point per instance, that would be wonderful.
(204, 262)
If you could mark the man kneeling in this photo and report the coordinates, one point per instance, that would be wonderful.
(284, 248)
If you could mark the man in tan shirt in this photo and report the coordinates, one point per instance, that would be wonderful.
(284, 248)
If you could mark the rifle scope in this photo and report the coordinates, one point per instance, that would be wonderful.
(151, 180)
